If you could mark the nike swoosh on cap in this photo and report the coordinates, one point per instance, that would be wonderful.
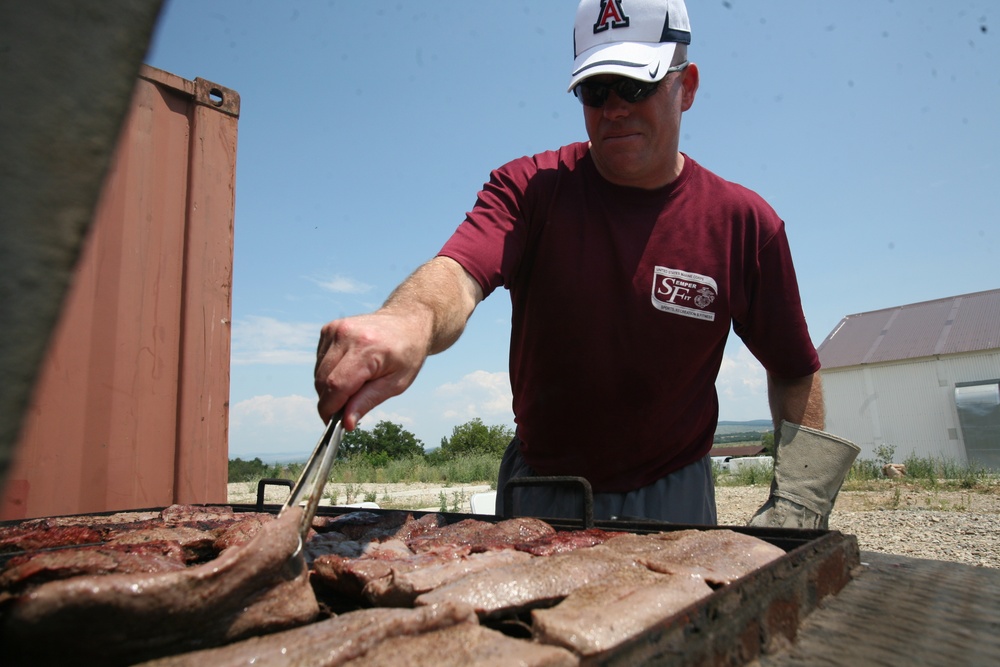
(602, 63)
(653, 71)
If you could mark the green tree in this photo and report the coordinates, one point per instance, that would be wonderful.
(386, 441)
(767, 440)
(248, 471)
(355, 443)
(475, 437)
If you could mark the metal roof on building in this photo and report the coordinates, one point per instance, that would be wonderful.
(953, 325)
(745, 450)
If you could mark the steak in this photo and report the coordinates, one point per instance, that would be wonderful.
(198, 544)
(603, 615)
(566, 541)
(412, 577)
(483, 535)
(122, 618)
(194, 527)
(43, 535)
(465, 645)
(23, 572)
(208, 517)
(327, 643)
(718, 556)
(539, 582)
(369, 526)
(340, 545)
(241, 531)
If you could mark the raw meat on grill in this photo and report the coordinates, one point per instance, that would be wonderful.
(43, 535)
(148, 588)
(370, 570)
(327, 643)
(335, 544)
(125, 542)
(193, 527)
(369, 526)
(209, 516)
(360, 534)
(718, 556)
(241, 531)
(22, 572)
(539, 582)
(339, 544)
(116, 518)
(483, 535)
(121, 618)
(566, 541)
(411, 577)
(605, 614)
(360, 525)
(348, 576)
(443, 556)
(351, 577)
(464, 645)
(197, 543)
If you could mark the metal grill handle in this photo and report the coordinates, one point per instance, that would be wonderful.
(264, 483)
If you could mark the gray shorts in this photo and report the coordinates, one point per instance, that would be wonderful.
(684, 496)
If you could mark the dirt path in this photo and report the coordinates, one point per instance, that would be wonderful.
(424, 497)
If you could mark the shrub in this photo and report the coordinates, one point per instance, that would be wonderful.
(884, 454)
(864, 470)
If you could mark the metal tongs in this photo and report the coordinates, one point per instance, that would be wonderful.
(314, 476)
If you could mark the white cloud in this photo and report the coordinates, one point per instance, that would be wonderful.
(343, 285)
(377, 415)
(478, 394)
(742, 386)
(272, 427)
(265, 340)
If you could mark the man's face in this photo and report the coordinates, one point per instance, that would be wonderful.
(636, 144)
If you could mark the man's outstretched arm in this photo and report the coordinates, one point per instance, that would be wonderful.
(363, 360)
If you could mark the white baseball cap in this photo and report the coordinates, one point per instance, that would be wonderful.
(633, 38)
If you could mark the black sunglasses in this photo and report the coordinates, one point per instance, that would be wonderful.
(595, 94)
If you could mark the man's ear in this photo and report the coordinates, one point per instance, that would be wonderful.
(690, 82)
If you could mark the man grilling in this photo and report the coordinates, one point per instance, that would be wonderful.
(627, 264)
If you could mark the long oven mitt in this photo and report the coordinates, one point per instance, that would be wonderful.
(809, 468)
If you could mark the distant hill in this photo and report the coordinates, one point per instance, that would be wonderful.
(755, 425)
(730, 433)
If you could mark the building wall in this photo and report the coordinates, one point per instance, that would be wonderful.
(908, 405)
(131, 405)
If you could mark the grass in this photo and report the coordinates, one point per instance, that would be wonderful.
(464, 470)
(478, 469)
(759, 474)
(922, 473)
(927, 473)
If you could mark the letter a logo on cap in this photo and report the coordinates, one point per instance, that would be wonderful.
(611, 16)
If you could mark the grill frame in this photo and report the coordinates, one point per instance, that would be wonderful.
(752, 616)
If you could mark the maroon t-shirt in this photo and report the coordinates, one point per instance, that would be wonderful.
(622, 303)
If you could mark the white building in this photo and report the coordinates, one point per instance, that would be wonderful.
(923, 378)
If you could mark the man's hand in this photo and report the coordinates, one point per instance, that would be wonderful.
(362, 361)
(809, 468)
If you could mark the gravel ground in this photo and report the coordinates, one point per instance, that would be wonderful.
(957, 526)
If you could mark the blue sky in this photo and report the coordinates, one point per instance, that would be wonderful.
(367, 128)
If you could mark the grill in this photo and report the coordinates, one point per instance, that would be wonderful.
(734, 625)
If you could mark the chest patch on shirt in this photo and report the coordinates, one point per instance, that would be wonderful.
(684, 293)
